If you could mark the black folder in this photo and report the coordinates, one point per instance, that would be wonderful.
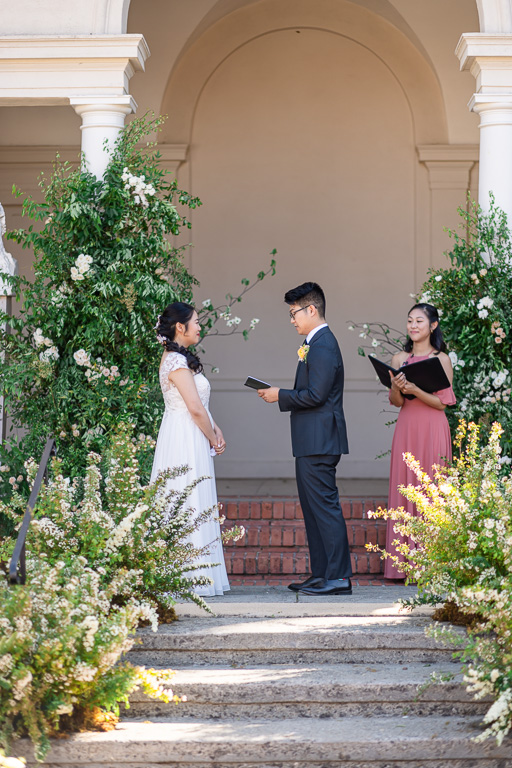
(256, 383)
(427, 374)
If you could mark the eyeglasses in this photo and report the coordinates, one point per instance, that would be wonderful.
(292, 313)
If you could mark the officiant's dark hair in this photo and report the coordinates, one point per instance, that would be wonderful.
(178, 312)
(436, 337)
(306, 294)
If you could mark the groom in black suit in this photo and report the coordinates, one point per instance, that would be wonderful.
(319, 437)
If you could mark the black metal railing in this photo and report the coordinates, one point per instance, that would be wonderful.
(17, 566)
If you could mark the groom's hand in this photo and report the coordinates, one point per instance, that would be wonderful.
(269, 395)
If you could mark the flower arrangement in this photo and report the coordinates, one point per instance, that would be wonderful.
(118, 524)
(61, 643)
(461, 553)
(81, 355)
(473, 296)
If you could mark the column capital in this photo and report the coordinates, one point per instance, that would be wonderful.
(83, 105)
(102, 120)
(500, 104)
(489, 59)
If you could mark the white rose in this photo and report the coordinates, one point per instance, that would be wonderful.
(438, 278)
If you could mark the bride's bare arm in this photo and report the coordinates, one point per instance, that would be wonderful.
(184, 381)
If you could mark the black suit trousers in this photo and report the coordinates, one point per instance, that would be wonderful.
(325, 525)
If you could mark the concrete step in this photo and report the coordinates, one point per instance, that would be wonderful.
(305, 640)
(312, 691)
(348, 742)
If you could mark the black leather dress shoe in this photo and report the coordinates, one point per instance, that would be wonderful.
(329, 587)
(313, 581)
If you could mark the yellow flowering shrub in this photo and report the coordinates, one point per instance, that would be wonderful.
(460, 551)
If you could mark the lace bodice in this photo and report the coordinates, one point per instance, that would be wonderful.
(172, 398)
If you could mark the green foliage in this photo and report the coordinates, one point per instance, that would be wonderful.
(82, 355)
(61, 641)
(459, 549)
(118, 525)
(103, 269)
(474, 296)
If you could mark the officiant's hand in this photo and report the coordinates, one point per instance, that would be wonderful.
(270, 395)
(399, 381)
(408, 388)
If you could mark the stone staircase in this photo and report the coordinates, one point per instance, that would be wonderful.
(274, 549)
(273, 682)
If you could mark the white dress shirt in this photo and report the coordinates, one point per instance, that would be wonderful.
(315, 330)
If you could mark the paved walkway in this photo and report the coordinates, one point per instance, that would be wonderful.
(282, 602)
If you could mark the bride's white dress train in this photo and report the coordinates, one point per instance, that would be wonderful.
(181, 442)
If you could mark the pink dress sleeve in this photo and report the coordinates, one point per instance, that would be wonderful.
(446, 396)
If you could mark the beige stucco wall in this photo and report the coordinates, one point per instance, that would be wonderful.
(302, 122)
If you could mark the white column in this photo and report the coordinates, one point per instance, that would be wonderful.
(489, 58)
(9, 266)
(495, 152)
(102, 119)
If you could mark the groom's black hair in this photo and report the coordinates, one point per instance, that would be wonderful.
(306, 294)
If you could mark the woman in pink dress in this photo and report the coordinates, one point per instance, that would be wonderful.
(422, 427)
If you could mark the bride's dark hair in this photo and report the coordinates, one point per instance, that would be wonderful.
(178, 312)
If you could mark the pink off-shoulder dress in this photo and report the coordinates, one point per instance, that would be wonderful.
(424, 432)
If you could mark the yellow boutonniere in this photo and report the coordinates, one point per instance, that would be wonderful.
(303, 353)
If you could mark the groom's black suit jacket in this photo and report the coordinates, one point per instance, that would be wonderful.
(316, 400)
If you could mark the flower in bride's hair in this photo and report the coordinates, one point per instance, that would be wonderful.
(161, 339)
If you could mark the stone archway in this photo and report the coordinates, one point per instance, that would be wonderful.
(408, 64)
(302, 121)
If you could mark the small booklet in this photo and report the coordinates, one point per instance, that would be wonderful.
(256, 383)
(427, 374)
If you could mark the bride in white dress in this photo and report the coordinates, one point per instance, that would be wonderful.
(188, 435)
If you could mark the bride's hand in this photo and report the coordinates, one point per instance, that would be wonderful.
(220, 444)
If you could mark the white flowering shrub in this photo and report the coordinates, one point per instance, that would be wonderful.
(118, 524)
(62, 638)
(83, 354)
(473, 297)
(461, 553)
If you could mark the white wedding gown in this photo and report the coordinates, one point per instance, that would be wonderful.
(181, 442)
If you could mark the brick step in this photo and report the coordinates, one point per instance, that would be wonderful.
(291, 562)
(289, 509)
(292, 533)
